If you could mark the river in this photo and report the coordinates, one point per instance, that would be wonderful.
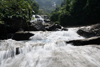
(48, 49)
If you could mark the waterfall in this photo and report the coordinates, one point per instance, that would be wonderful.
(37, 18)
(48, 49)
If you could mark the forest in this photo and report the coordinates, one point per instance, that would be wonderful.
(64, 12)
(77, 12)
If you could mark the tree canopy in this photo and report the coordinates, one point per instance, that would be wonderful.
(15, 8)
(17, 13)
(77, 12)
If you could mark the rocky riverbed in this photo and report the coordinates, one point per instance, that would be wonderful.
(50, 45)
(40, 23)
(49, 49)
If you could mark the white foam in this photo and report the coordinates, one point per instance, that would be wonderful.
(48, 49)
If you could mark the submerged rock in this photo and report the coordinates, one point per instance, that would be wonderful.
(93, 40)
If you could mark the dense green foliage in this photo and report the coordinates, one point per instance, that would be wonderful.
(77, 12)
(15, 9)
(46, 6)
(16, 13)
(34, 5)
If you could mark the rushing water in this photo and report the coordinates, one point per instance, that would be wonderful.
(39, 18)
(48, 49)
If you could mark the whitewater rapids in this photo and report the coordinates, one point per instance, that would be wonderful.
(48, 49)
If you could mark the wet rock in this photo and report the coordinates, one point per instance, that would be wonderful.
(64, 29)
(39, 26)
(31, 28)
(17, 51)
(44, 16)
(93, 40)
(54, 27)
(93, 30)
(10, 35)
(14, 24)
(36, 26)
(22, 35)
(85, 33)
(3, 32)
(47, 20)
(37, 16)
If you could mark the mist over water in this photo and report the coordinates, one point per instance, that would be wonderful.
(48, 49)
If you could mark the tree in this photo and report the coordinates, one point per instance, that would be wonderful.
(76, 12)
(15, 13)
(34, 5)
(15, 9)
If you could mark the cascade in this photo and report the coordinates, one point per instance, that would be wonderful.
(37, 18)
(48, 49)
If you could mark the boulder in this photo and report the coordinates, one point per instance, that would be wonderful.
(93, 30)
(14, 24)
(31, 28)
(64, 29)
(17, 51)
(85, 33)
(3, 32)
(6, 31)
(39, 26)
(44, 17)
(36, 26)
(92, 40)
(21, 35)
(37, 16)
(47, 20)
(53, 27)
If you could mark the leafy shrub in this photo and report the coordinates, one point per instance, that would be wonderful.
(15, 9)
